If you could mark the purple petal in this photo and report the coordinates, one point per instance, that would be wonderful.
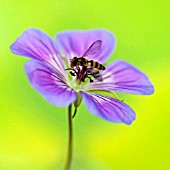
(50, 85)
(38, 45)
(120, 76)
(108, 108)
(76, 43)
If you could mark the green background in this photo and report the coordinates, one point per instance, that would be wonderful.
(33, 133)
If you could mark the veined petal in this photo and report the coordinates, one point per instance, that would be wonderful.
(50, 85)
(38, 45)
(120, 76)
(76, 43)
(108, 108)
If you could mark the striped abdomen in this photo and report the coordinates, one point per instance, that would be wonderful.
(95, 64)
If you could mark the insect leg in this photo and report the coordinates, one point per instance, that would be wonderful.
(90, 79)
(72, 73)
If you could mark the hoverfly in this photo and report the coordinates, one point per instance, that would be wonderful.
(90, 66)
(82, 61)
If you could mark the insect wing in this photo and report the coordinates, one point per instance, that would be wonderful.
(93, 49)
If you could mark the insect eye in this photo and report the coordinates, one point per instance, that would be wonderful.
(75, 62)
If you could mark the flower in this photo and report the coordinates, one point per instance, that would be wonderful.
(48, 72)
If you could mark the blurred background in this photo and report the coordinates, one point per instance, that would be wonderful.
(33, 133)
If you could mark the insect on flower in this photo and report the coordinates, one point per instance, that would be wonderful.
(83, 53)
(87, 65)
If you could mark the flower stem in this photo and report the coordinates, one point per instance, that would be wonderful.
(69, 152)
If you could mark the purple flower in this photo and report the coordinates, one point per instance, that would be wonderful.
(47, 72)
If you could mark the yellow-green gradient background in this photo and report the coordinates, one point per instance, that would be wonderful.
(33, 133)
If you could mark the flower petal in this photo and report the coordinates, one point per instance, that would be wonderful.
(38, 45)
(76, 43)
(120, 76)
(108, 108)
(50, 85)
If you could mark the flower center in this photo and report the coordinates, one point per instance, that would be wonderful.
(80, 76)
(81, 73)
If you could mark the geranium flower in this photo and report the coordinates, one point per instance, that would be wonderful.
(47, 72)
(50, 64)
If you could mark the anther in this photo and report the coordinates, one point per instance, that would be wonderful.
(73, 74)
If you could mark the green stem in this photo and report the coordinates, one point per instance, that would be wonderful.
(69, 152)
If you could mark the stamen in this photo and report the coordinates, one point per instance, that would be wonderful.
(73, 74)
(82, 72)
